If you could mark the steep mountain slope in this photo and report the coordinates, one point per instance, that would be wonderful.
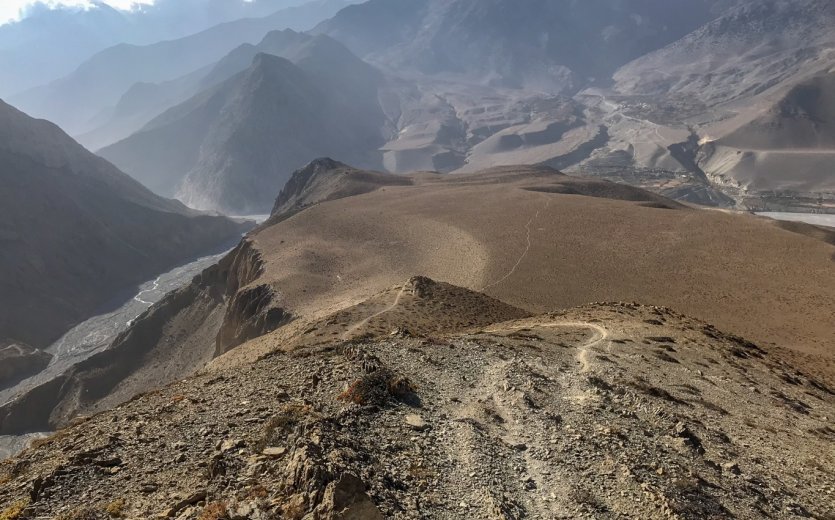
(74, 231)
(748, 50)
(234, 146)
(803, 119)
(18, 362)
(144, 101)
(550, 45)
(81, 101)
(750, 86)
(791, 146)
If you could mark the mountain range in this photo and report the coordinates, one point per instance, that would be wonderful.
(555, 46)
(660, 94)
(84, 99)
(246, 135)
(49, 41)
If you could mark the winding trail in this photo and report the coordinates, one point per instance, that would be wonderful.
(601, 335)
(524, 253)
(364, 322)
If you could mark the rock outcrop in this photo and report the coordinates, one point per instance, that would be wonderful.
(607, 410)
(171, 340)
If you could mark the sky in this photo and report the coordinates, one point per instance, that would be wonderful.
(10, 9)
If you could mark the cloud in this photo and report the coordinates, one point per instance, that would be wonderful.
(11, 10)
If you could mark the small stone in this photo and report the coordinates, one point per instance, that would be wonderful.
(274, 451)
(231, 444)
(732, 468)
(416, 422)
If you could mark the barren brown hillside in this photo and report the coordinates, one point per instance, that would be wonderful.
(542, 241)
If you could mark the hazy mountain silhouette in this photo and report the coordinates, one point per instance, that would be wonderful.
(83, 100)
(233, 146)
(51, 41)
(555, 45)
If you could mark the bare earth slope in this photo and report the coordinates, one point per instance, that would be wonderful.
(345, 386)
(540, 240)
(790, 145)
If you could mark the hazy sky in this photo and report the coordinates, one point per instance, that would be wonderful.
(10, 9)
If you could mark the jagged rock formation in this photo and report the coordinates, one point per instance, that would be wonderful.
(325, 179)
(238, 143)
(75, 231)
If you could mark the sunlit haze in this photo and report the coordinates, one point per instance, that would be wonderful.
(11, 10)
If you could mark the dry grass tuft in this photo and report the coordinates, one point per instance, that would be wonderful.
(14, 511)
(290, 418)
(115, 508)
(377, 388)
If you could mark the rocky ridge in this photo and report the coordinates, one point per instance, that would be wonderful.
(605, 411)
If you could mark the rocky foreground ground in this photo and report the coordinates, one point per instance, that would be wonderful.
(605, 411)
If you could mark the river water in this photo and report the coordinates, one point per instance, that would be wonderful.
(809, 218)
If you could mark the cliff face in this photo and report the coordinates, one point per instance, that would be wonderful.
(250, 312)
(173, 339)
